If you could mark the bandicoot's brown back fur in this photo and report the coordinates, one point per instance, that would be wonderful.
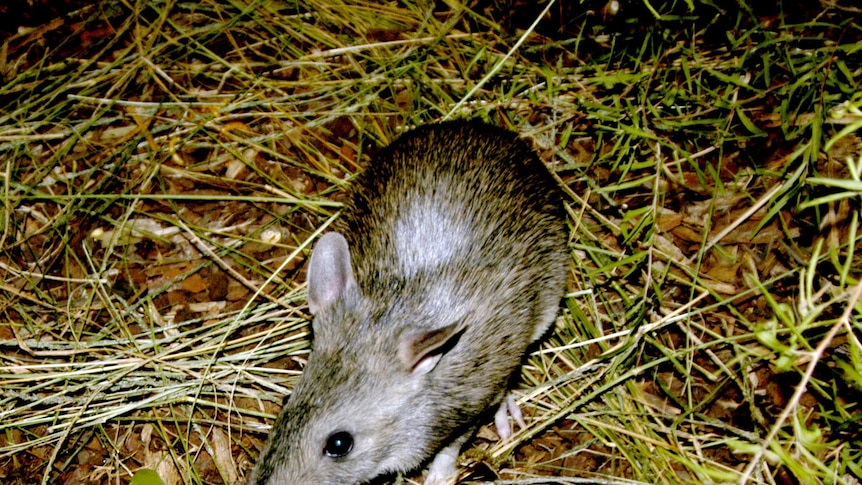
(453, 260)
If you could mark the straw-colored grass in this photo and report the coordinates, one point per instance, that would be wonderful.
(167, 166)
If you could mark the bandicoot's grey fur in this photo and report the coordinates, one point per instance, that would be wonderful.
(449, 261)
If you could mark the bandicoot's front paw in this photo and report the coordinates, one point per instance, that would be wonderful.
(443, 469)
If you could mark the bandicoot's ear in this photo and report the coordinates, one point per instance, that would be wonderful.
(330, 274)
(420, 352)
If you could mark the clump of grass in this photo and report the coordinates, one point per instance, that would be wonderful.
(167, 167)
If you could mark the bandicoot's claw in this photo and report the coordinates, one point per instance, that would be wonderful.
(508, 408)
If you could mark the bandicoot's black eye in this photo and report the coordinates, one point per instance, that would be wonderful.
(338, 444)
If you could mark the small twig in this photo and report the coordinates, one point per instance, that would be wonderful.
(765, 199)
(204, 248)
(793, 404)
(499, 65)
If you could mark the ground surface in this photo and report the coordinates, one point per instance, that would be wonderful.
(167, 167)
